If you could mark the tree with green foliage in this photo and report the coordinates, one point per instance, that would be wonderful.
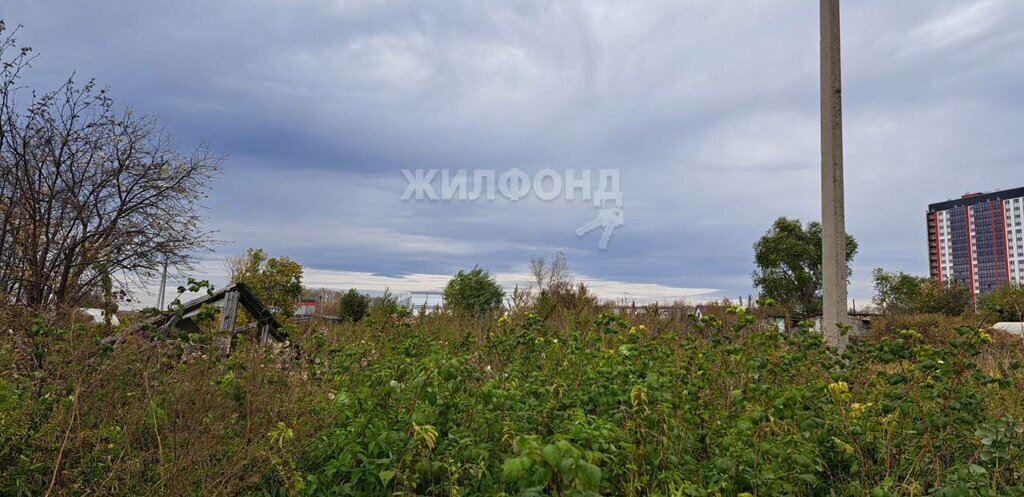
(276, 281)
(896, 292)
(352, 306)
(385, 308)
(473, 292)
(788, 259)
(1007, 302)
(902, 293)
(950, 298)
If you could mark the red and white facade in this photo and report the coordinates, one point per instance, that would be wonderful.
(978, 240)
(1014, 214)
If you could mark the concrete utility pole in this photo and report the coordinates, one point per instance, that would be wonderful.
(163, 289)
(833, 219)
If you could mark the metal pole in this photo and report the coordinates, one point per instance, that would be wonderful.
(163, 289)
(833, 221)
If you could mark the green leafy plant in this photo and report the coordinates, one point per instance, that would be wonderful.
(1005, 302)
(901, 294)
(473, 292)
(621, 403)
(276, 281)
(353, 306)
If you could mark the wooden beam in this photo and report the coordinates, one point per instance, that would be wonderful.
(227, 298)
(264, 334)
(229, 312)
(227, 319)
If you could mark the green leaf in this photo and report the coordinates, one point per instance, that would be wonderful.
(512, 469)
(551, 454)
(591, 474)
(566, 465)
(977, 470)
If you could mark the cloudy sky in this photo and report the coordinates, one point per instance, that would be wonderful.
(708, 109)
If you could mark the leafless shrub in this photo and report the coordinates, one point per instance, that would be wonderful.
(91, 197)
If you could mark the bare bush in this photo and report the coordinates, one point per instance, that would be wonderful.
(92, 197)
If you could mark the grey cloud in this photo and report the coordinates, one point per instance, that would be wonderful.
(708, 108)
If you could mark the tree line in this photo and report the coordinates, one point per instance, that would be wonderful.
(787, 260)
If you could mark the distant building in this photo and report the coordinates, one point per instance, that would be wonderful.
(978, 240)
(305, 308)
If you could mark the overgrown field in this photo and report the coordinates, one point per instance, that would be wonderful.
(582, 404)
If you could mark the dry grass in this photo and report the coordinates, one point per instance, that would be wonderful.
(148, 417)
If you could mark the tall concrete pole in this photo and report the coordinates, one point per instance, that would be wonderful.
(163, 289)
(833, 219)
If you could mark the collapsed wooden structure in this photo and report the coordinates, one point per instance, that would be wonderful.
(228, 300)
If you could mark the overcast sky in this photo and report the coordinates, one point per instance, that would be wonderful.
(708, 110)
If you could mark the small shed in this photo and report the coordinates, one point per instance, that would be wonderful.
(305, 308)
(860, 321)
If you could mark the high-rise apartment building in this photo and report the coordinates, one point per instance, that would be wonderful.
(978, 240)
